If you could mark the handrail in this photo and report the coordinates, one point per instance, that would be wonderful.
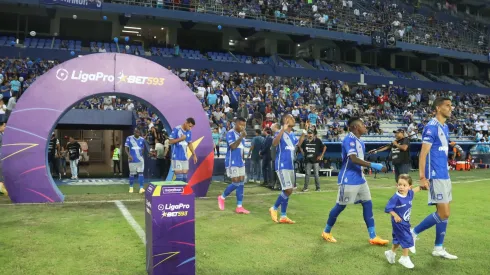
(345, 22)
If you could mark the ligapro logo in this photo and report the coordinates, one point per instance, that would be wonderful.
(80, 75)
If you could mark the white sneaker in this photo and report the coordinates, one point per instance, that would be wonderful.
(414, 236)
(405, 261)
(441, 252)
(390, 256)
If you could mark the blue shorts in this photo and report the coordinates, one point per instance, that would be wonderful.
(401, 235)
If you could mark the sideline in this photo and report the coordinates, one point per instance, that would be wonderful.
(130, 219)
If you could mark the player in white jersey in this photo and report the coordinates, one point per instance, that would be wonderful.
(434, 174)
(286, 142)
(235, 165)
(181, 139)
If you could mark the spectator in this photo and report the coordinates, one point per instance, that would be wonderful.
(254, 155)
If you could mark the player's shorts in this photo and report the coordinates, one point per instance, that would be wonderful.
(351, 194)
(178, 165)
(136, 167)
(286, 178)
(401, 235)
(235, 172)
(440, 191)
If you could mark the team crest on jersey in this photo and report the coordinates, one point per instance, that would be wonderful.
(352, 144)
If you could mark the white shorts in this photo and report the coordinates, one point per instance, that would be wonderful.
(136, 167)
(351, 194)
(235, 172)
(179, 165)
(286, 178)
(440, 191)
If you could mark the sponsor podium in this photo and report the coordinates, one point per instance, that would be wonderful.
(170, 229)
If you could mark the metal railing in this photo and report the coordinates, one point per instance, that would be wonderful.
(345, 21)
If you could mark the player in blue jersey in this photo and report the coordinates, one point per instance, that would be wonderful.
(235, 165)
(181, 139)
(135, 146)
(400, 208)
(286, 142)
(353, 187)
(433, 172)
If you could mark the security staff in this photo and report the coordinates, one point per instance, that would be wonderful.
(400, 153)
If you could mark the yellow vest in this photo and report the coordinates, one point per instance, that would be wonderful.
(115, 156)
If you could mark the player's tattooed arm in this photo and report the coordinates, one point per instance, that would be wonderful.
(424, 151)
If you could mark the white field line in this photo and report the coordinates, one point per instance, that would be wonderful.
(205, 198)
(129, 218)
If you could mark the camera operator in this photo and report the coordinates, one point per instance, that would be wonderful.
(313, 151)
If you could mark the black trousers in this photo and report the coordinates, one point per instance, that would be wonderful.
(116, 163)
(163, 167)
(266, 170)
(54, 163)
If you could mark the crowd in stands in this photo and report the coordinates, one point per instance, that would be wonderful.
(403, 20)
(265, 99)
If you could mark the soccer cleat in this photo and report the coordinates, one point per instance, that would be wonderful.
(328, 237)
(273, 214)
(286, 220)
(221, 203)
(390, 256)
(142, 190)
(241, 210)
(378, 241)
(441, 252)
(305, 190)
(130, 189)
(406, 262)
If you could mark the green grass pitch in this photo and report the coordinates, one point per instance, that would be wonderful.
(92, 237)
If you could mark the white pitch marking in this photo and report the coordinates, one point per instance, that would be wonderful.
(135, 225)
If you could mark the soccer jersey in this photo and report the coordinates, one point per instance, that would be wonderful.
(351, 173)
(436, 163)
(234, 158)
(285, 151)
(179, 150)
(402, 206)
(136, 147)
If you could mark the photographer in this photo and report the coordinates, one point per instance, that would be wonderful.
(313, 151)
(400, 153)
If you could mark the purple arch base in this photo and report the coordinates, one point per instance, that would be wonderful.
(26, 136)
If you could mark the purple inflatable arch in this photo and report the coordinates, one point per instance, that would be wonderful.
(25, 141)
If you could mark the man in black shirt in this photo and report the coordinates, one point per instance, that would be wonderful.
(400, 153)
(313, 151)
(53, 155)
(73, 148)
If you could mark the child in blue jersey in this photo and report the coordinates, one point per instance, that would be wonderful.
(235, 165)
(135, 146)
(181, 139)
(400, 208)
(353, 187)
(433, 172)
(286, 142)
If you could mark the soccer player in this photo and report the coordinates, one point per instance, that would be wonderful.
(135, 146)
(433, 173)
(400, 208)
(286, 143)
(235, 165)
(181, 139)
(353, 187)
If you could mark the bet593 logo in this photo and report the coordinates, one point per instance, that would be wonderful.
(79, 75)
